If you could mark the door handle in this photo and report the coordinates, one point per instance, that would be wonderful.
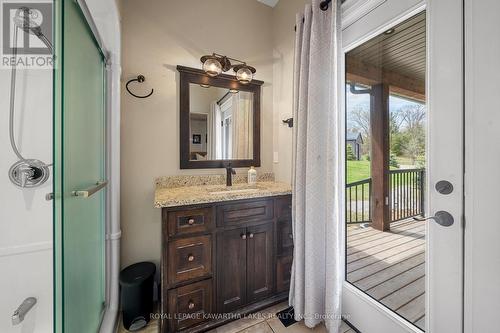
(442, 218)
(92, 190)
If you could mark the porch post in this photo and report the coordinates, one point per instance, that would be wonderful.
(380, 150)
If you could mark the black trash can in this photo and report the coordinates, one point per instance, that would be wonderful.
(137, 283)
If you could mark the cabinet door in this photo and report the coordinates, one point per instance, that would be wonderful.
(259, 261)
(231, 269)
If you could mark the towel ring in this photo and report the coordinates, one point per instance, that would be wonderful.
(140, 78)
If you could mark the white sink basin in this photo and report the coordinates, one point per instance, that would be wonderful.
(235, 191)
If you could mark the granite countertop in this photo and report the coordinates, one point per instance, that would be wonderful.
(192, 190)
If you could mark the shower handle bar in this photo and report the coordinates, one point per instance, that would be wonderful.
(92, 190)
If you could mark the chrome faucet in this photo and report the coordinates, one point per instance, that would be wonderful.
(26, 173)
(22, 310)
(229, 175)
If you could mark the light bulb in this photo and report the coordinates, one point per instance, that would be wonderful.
(244, 75)
(212, 67)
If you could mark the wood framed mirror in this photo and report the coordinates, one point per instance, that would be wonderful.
(219, 121)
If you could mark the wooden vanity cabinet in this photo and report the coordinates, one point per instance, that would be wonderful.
(245, 267)
(222, 258)
(231, 269)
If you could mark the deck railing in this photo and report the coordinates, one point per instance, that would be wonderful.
(406, 193)
(406, 196)
(358, 198)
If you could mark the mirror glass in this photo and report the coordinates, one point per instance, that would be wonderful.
(220, 123)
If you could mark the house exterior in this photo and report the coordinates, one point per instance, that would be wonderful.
(355, 140)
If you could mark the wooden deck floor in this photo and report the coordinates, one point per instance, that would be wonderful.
(390, 266)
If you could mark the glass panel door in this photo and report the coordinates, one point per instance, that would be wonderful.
(404, 168)
(385, 153)
(80, 196)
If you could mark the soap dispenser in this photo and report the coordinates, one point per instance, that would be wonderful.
(252, 176)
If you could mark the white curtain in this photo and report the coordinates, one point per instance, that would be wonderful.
(214, 134)
(317, 270)
(242, 125)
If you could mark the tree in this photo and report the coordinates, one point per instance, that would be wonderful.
(359, 121)
(350, 154)
(392, 160)
(416, 144)
(412, 115)
(408, 131)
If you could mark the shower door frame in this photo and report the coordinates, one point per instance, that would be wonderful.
(112, 174)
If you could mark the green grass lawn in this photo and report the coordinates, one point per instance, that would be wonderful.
(360, 170)
(357, 170)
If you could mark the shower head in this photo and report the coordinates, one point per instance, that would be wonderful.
(29, 20)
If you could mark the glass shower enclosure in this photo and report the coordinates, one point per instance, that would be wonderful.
(53, 167)
(80, 178)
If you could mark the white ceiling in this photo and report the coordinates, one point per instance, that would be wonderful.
(270, 3)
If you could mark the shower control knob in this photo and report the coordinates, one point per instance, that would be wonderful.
(29, 173)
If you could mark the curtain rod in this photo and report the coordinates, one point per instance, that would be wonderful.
(223, 97)
(324, 4)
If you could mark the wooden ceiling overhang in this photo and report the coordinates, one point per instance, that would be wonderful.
(399, 84)
(396, 58)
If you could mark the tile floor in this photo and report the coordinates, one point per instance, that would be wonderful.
(264, 321)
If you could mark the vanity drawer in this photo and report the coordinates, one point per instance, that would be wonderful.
(189, 221)
(285, 237)
(189, 258)
(283, 273)
(245, 212)
(189, 305)
(284, 207)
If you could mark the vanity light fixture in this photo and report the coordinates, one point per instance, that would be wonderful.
(215, 64)
(212, 66)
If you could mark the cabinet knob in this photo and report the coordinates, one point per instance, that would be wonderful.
(191, 305)
(191, 221)
(243, 236)
(250, 235)
(290, 235)
(190, 257)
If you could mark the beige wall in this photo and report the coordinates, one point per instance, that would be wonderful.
(158, 35)
(283, 52)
